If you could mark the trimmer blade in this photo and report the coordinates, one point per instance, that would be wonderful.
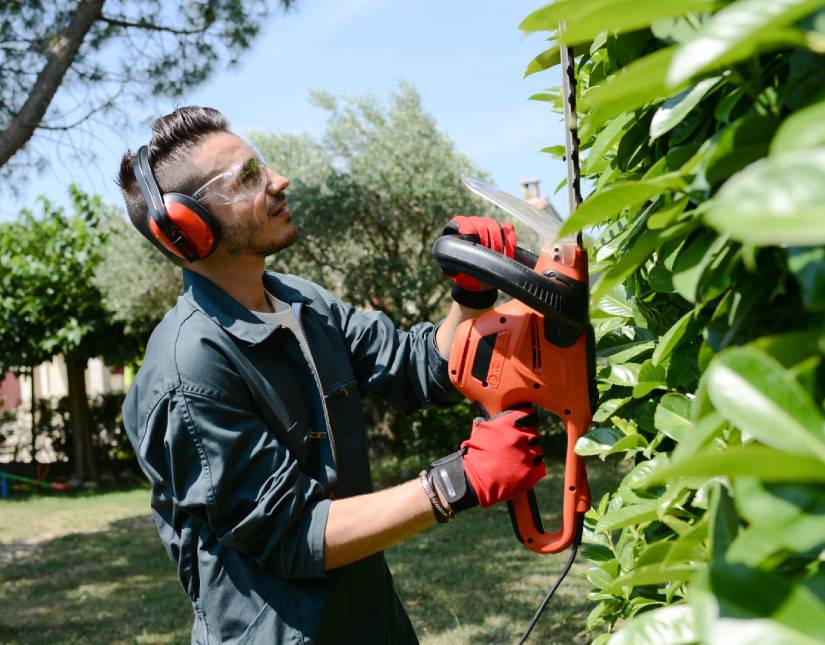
(544, 222)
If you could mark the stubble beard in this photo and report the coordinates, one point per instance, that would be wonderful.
(244, 238)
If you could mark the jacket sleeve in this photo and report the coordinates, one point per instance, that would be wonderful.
(404, 367)
(229, 468)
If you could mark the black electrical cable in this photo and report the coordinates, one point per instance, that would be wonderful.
(574, 547)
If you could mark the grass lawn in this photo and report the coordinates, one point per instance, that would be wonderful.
(89, 568)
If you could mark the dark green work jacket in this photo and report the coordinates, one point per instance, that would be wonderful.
(231, 430)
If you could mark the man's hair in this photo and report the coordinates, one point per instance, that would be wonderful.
(173, 137)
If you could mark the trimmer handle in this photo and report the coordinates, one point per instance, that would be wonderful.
(526, 517)
(558, 297)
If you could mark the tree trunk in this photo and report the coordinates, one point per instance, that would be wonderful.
(34, 420)
(20, 127)
(80, 418)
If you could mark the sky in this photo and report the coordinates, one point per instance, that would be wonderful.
(465, 57)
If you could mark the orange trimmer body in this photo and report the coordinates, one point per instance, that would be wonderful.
(507, 357)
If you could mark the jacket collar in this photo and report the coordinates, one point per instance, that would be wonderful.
(229, 313)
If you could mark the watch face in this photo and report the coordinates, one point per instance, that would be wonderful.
(544, 222)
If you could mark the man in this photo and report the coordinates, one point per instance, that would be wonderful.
(246, 415)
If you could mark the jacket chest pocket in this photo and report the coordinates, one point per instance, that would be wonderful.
(350, 440)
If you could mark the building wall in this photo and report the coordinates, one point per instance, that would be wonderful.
(51, 382)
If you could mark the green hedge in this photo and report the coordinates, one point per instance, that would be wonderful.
(703, 133)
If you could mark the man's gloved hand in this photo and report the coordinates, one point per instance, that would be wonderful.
(488, 232)
(501, 460)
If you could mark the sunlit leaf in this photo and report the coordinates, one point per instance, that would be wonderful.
(753, 391)
(676, 108)
(759, 461)
(734, 33)
(778, 200)
(612, 200)
(671, 338)
(545, 60)
(804, 129)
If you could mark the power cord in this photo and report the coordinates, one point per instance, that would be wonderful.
(574, 547)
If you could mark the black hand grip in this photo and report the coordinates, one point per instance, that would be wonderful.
(556, 296)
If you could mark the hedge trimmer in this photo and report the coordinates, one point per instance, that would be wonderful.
(537, 348)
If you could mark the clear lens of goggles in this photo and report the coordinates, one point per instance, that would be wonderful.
(239, 182)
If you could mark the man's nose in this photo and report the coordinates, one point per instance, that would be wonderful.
(277, 183)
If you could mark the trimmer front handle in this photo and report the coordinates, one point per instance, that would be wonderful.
(539, 349)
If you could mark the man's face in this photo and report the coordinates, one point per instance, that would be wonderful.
(245, 196)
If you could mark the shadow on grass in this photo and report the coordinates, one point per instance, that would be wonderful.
(472, 582)
(109, 586)
(467, 582)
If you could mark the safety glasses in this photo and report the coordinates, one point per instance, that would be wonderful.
(240, 182)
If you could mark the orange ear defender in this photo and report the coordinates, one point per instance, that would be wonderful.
(177, 222)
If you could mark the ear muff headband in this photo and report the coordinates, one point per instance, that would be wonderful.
(178, 222)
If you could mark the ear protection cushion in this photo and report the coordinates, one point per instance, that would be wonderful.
(195, 223)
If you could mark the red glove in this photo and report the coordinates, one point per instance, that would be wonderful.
(499, 237)
(501, 460)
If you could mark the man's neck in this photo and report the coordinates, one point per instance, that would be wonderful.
(239, 276)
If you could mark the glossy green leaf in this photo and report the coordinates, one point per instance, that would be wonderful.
(607, 408)
(605, 141)
(644, 470)
(778, 200)
(692, 262)
(789, 516)
(663, 626)
(616, 304)
(759, 461)
(640, 250)
(610, 201)
(586, 20)
(676, 108)
(625, 374)
(804, 129)
(620, 16)
(734, 33)
(598, 441)
(623, 354)
(808, 267)
(754, 392)
(738, 605)
(690, 544)
(650, 377)
(630, 88)
(673, 416)
(790, 348)
(703, 432)
(665, 216)
(627, 443)
(652, 575)
(545, 60)
(628, 515)
(670, 339)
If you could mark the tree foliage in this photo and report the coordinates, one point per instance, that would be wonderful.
(370, 198)
(137, 284)
(62, 62)
(702, 126)
(50, 306)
